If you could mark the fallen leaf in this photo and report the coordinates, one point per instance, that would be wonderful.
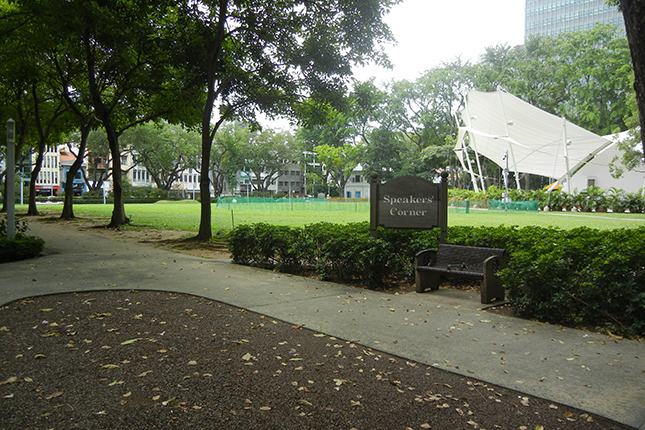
(265, 408)
(56, 394)
(109, 366)
(141, 375)
(192, 363)
(11, 380)
(128, 394)
(128, 342)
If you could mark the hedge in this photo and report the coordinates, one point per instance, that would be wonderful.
(572, 277)
(20, 248)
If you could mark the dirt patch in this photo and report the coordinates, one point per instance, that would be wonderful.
(170, 240)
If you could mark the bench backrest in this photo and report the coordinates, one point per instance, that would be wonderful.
(470, 258)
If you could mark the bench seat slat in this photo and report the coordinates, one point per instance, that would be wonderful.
(452, 271)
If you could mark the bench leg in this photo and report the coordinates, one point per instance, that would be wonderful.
(425, 279)
(492, 290)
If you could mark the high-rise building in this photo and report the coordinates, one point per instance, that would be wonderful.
(552, 17)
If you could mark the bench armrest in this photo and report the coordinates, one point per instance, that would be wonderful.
(494, 264)
(427, 257)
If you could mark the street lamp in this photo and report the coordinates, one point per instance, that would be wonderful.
(11, 170)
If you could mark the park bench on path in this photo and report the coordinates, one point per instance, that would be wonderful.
(463, 261)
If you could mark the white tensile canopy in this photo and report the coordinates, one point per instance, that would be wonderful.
(517, 135)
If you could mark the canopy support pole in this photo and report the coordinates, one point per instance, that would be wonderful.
(510, 147)
(566, 154)
(473, 144)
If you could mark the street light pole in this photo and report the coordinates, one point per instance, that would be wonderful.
(11, 186)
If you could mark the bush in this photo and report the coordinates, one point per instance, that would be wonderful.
(580, 276)
(22, 246)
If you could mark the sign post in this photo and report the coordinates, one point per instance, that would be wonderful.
(11, 186)
(409, 203)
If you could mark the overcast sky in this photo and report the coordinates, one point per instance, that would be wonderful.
(429, 32)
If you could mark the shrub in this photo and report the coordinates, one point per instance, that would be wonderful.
(579, 276)
(22, 246)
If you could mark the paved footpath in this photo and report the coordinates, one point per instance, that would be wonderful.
(446, 329)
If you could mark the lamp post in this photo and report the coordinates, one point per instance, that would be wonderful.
(11, 170)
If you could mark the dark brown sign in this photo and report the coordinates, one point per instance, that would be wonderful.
(408, 202)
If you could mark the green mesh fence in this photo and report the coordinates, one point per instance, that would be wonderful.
(525, 206)
(466, 205)
(360, 205)
(293, 204)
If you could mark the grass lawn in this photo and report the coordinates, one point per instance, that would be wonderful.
(184, 216)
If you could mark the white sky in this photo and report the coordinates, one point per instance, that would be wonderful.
(430, 32)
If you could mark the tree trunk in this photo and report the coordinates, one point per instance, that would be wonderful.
(32, 209)
(205, 230)
(68, 206)
(118, 213)
(634, 16)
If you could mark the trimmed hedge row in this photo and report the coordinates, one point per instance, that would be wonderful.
(20, 248)
(579, 276)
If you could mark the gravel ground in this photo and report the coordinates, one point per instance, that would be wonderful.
(147, 360)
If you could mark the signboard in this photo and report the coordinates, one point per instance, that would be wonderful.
(409, 202)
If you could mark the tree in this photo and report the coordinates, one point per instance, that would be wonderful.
(165, 150)
(226, 155)
(582, 75)
(423, 112)
(98, 169)
(241, 57)
(634, 16)
(340, 162)
(267, 155)
(124, 59)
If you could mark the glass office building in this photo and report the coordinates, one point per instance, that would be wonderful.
(552, 17)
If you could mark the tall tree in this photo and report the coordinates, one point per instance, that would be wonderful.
(340, 162)
(582, 75)
(267, 155)
(226, 155)
(269, 56)
(123, 57)
(634, 16)
(165, 150)
(423, 113)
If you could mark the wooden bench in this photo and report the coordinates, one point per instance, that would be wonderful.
(466, 261)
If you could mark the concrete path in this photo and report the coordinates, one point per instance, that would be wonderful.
(446, 329)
